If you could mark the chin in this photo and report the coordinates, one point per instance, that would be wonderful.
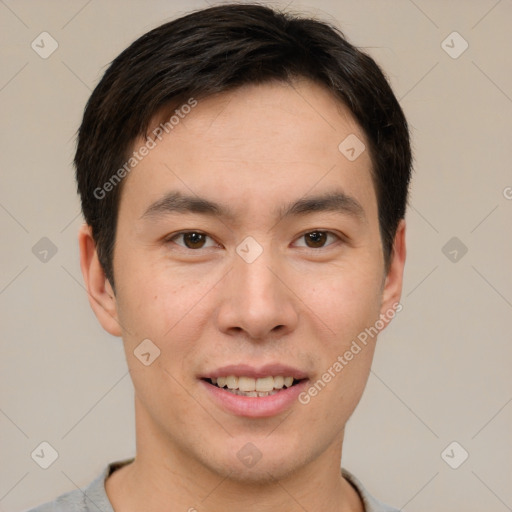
(265, 466)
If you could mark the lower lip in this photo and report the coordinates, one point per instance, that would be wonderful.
(255, 407)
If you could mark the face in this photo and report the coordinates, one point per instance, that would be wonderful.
(248, 251)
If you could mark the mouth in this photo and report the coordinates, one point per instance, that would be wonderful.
(254, 392)
(253, 387)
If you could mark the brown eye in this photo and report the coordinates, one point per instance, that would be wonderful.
(315, 239)
(192, 240)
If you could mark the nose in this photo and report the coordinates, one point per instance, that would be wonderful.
(257, 300)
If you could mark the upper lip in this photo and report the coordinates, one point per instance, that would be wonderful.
(245, 370)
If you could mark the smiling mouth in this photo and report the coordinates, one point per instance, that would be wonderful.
(250, 387)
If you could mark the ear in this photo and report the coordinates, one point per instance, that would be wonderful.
(392, 288)
(101, 296)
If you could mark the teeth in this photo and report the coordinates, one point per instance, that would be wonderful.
(288, 381)
(248, 385)
(232, 382)
(278, 382)
(265, 384)
(252, 393)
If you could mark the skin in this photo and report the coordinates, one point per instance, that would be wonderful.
(255, 149)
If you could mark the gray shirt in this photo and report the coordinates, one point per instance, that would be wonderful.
(95, 499)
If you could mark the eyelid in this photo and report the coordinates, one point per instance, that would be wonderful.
(172, 236)
(339, 237)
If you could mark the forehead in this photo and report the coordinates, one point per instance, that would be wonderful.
(268, 114)
(263, 141)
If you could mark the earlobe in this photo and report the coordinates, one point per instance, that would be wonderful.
(392, 290)
(101, 295)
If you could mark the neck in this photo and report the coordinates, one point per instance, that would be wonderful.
(164, 478)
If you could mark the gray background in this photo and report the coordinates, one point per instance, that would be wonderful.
(442, 368)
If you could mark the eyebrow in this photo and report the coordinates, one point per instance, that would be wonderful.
(336, 201)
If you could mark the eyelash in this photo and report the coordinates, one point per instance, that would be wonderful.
(172, 237)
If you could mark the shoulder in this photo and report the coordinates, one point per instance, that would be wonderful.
(371, 504)
(73, 501)
(91, 499)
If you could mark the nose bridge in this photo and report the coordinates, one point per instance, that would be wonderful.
(256, 278)
(255, 283)
(256, 299)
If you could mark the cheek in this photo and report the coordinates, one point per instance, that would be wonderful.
(155, 301)
(170, 314)
(343, 301)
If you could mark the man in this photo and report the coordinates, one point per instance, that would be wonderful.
(243, 176)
